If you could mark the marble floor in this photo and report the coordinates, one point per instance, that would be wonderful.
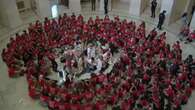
(13, 92)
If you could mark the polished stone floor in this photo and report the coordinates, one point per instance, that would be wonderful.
(13, 92)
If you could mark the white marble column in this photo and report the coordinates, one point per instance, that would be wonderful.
(75, 5)
(135, 7)
(9, 13)
(192, 24)
(101, 5)
(138, 6)
(43, 8)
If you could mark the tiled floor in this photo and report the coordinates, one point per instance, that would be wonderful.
(13, 92)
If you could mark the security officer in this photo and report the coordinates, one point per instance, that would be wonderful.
(161, 20)
(106, 6)
(153, 8)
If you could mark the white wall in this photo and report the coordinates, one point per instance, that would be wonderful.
(135, 7)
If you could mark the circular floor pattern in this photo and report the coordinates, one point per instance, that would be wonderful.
(149, 74)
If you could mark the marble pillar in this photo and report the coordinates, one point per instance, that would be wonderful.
(138, 6)
(135, 7)
(10, 16)
(43, 8)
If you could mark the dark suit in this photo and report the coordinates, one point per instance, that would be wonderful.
(161, 20)
(106, 6)
(153, 8)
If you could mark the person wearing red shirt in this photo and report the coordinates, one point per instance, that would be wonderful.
(11, 72)
(139, 61)
(169, 92)
(161, 55)
(100, 105)
(41, 80)
(61, 106)
(90, 21)
(52, 104)
(33, 93)
(88, 107)
(54, 24)
(163, 36)
(184, 98)
(75, 98)
(112, 100)
(80, 17)
(184, 32)
(188, 91)
(44, 99)
(52, 90)
(88, 96)
(191, 36)
(156, 101)
(125, 105)
(75, 106)
(146, 77)
(144, 103)
(178, 85)
(176, 103)
(177, 46)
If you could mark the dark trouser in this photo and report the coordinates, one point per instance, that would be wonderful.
(106, 8)
(93, 5)
(153, 12)
(160, 25)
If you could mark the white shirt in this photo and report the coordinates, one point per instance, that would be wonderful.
(64, 75)
(91, 52)
(99, 66)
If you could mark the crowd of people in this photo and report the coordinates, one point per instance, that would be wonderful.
(150, 75)
(187, 35)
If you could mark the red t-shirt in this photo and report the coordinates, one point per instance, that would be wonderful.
(11, 72)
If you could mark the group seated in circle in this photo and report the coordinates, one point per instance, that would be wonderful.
(149, 75)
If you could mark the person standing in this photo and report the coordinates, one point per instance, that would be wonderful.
(153, 8)
(93, 4)
(106, 6)
(161, 19)
(184, 20)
